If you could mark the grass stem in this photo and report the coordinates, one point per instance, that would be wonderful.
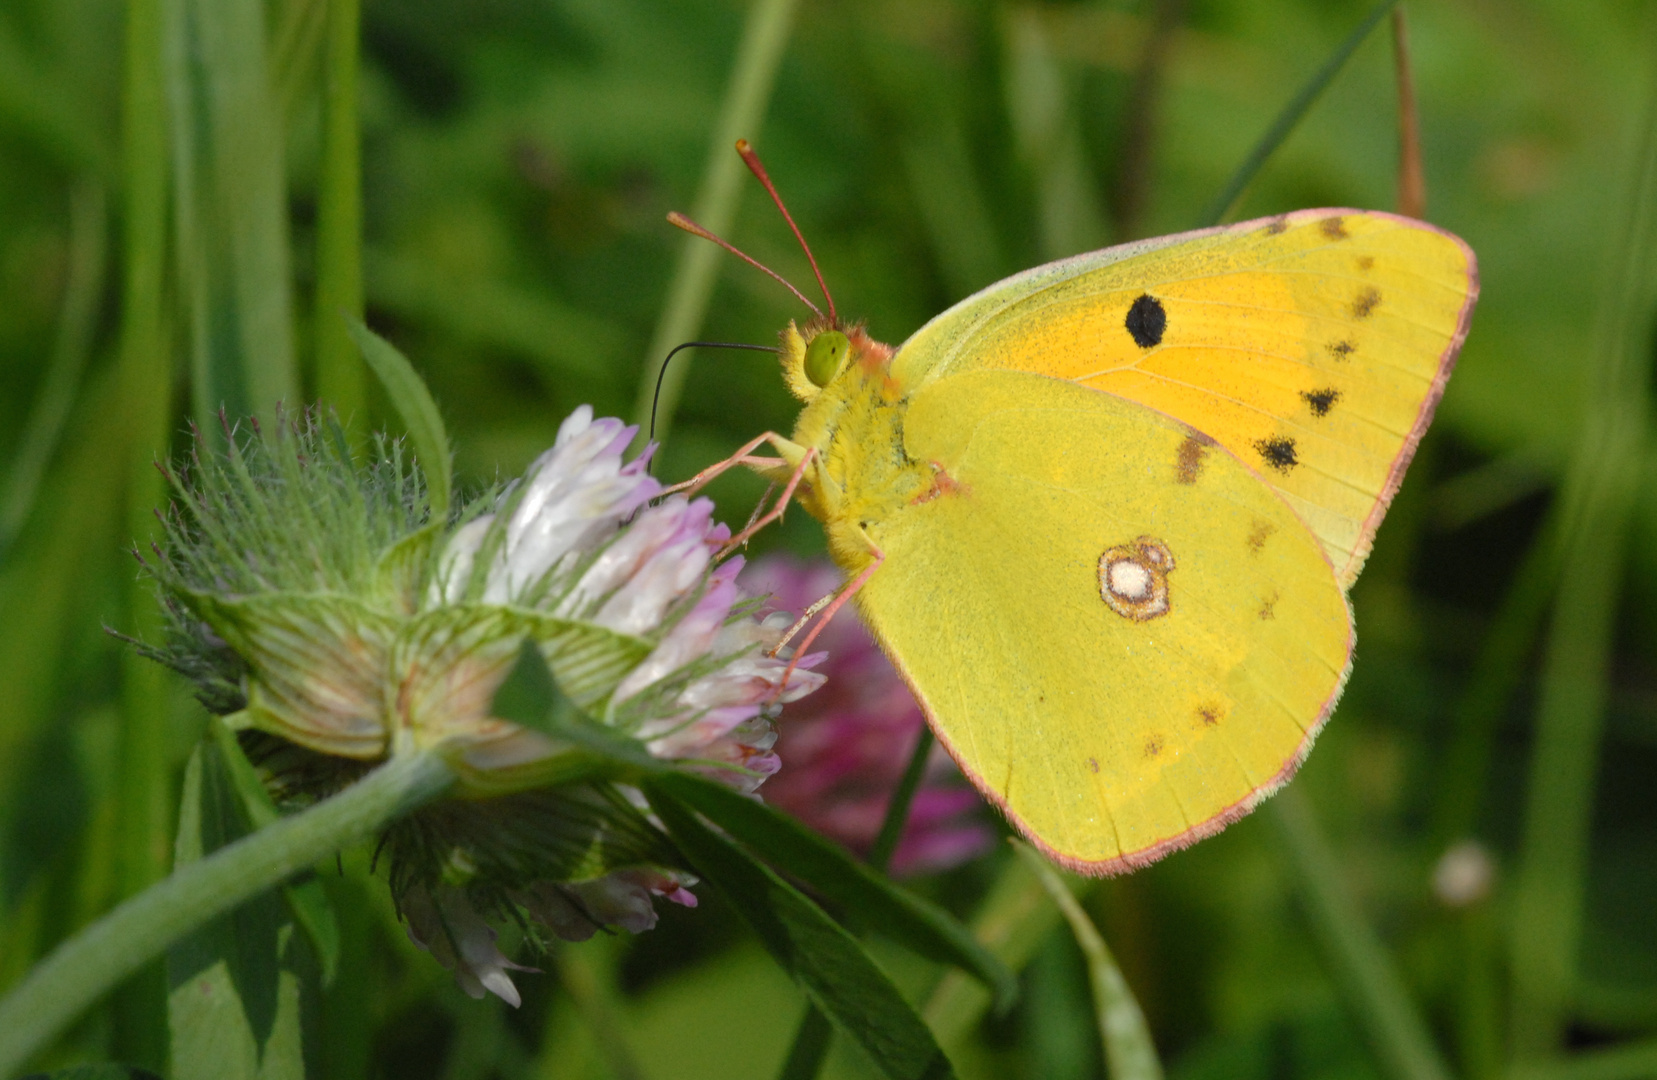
(746, 98)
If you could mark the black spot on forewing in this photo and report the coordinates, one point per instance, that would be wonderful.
(1340, 350)
(1278, 453)
(1334, 228)
(1365, 303)
(1320, 401)
(1147, 321)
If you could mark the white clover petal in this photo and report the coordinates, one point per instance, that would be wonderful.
(454, 569)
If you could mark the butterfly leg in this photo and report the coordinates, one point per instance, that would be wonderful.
(828, 605)
(743, 456)
(760, 521)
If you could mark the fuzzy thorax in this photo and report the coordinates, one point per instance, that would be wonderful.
(862, 473)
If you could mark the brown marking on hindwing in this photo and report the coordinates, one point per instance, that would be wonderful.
(1260, 534)
(1268, 606)
(1093, 763)
(1366, 263)
(1365, 303)
(1188, 461)
(1340, 350)
(1209, 713)
(1153, 746)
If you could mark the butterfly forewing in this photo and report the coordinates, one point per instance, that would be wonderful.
(1313, 346)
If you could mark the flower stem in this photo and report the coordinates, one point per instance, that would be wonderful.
(903, 796)
(95, 960)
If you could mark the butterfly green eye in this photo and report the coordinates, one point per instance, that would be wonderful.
(824, 356)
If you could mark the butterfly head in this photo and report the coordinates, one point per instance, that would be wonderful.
(816, 354)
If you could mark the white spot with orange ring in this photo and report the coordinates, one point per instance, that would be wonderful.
(1133, 578)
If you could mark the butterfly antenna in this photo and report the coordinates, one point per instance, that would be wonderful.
(662, 374)
(751, 159)
(681, 221)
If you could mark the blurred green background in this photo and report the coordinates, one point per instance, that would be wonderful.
(176, 210)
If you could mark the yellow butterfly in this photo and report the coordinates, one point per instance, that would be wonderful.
(1102, 515)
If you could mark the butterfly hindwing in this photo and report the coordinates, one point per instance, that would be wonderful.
(1313, 346)
(1124, 663)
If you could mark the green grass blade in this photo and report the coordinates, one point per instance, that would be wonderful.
(340, 379)
(82, 290)
(821, 865)
(143, 784)
(1011, 923)
(746, 98)
(1122, 1028)
(419, 413)
(1291, 116)
(827, 962)
(230, 209)
(234, 1001)
(1596, 505)
(1370, 983)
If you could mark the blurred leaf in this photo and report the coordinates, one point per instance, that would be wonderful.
(1122, 1029)
(88, 241)
(307, 901)
(229, 209)
(109, 1071)
(824, 959)
(821, 865)
(418, 411)
(1011, 922)
(235, 983)
(1374, 992)
(1597, 502)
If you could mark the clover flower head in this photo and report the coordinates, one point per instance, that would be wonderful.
(333, 619)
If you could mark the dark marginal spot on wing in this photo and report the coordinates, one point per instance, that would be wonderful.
(1365, 303)
(1277, 452)
(1321, 401)
(1188, 463)
(1277, 225)
(1340, 350)
(1146, 321)
(1334, 228)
